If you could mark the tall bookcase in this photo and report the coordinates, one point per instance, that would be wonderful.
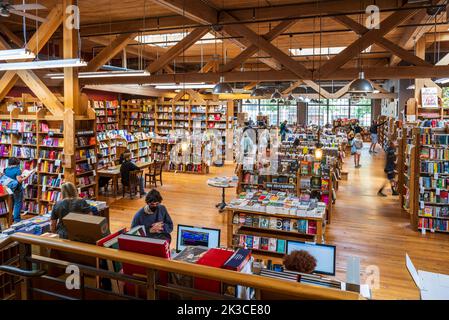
(428, 176)
(36, 137)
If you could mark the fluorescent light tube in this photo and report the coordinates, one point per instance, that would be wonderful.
(43, 64)
(16, 54)
(186, 86)
(102, 74)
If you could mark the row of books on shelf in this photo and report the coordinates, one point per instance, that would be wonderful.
(23, 126)
(27, 138)
(53, 142)
(434, 153)
(85, 141)
(3, 207)
(50, 181)
(280, 203)
(314, 183)
(50, 154)
(432, 167)
(86, 154)
(109, 126)
(44, 128)
(83, 168)
(259, 243)
(46, 166)
(197, 168)
(24, 152)
(87, 193)
(433, 224)
(432, 183)
(86, 181)
(284, 224)
(31, 207)
(438, 196)
(434, 139)
(51, 196)
(435, 211)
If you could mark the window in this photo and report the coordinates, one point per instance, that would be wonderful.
(317, 112)
(170, 39)
(254, 107)
(330, 110)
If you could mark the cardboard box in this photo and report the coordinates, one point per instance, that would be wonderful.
(85, 227)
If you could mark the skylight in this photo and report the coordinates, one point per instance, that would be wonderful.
(322, 51)
(170, 39)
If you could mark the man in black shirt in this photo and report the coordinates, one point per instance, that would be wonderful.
(128, 166)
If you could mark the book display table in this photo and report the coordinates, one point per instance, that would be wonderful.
(223, 183)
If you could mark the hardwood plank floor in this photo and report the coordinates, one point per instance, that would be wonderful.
(364, 225)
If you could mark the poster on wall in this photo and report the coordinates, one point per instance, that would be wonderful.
(429, 97)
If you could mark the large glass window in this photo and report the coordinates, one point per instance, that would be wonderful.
(333, 109)
(317, 112)
(265, 107)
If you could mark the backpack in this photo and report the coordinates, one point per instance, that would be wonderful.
(358, 144)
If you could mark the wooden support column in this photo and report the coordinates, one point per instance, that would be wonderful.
(419, 83)
(72, 106)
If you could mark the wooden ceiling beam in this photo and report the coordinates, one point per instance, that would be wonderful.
(385, 43)
(412, 34)
(202, 13)
(251, 50)
(373, 73)
(41, 91)
(273, 51)
(250, 86)
(194, 10)
(177, 49)
(35, 44)
(209, 66)
(365, 41)
(11, 35)
(323, 92)
(109, 52)
(292, 87)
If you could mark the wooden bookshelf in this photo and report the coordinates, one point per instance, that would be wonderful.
(107, 114)
(281, 227)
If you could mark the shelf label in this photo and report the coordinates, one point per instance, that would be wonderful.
(421, 204)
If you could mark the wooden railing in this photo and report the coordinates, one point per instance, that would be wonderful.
(264, 287)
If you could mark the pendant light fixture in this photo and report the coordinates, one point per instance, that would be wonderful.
(318, 146)
(360, 86)
(222, 86)
(276, 94)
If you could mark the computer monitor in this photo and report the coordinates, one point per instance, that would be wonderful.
(196, 236)
(324, 254)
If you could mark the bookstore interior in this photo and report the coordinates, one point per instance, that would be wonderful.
(212, 149)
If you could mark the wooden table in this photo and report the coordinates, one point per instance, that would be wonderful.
(114, 174)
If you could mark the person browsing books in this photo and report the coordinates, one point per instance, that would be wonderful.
(128, 166)
(71, 202)
(390, 166)
(14, 173)
(154, 217)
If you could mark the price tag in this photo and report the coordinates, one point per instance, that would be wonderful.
(421, 204)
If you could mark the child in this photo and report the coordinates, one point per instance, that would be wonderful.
(356, 149)
(13, 172)
(389, 170)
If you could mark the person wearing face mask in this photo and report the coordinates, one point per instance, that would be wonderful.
(154, 217)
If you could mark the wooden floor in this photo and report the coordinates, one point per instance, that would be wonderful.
(364, 225)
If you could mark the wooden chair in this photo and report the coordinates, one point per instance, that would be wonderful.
(154, 173)
(134, 182)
